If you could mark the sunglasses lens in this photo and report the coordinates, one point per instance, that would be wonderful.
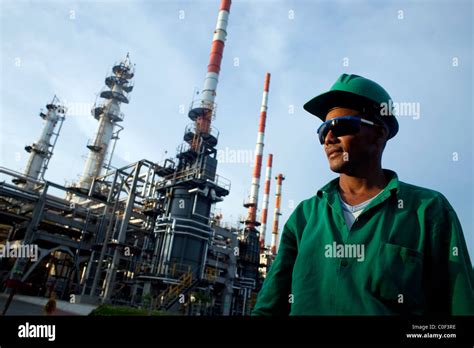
(345, 127)
(323, 132)
(339, 128)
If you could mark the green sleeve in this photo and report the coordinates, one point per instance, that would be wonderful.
(273, 298)
(460, 272)
(452, 268)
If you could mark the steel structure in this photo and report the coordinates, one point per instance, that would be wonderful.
(63, 233)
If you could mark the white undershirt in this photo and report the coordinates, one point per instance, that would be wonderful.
(351, 212)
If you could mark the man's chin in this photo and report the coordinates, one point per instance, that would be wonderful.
(338, 167)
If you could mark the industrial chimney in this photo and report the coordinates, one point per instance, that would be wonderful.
(253, 199)
(183, 230)
(266, 199)
(274, 245)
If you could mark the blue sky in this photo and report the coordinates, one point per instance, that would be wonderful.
(421, 52)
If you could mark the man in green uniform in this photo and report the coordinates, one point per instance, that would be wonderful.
(367, 243)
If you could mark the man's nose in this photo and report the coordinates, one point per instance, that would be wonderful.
(330, 138)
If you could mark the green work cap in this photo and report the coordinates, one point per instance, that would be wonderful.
(354, 91)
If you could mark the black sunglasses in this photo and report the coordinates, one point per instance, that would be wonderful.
(340, 126)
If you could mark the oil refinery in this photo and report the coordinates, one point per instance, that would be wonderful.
(145, 235)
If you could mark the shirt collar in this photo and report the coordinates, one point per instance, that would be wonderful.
(330, 190)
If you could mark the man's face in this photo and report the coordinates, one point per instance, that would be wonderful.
(348, 153)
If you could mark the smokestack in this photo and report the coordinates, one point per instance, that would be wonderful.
(274, 246)
(108, 114)
(42, 150)
(266, 199)
(253, 199)
(202, 110)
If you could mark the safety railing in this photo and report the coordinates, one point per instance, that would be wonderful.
(168, 296)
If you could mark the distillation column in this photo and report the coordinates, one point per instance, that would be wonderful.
(42, 150)
(108, 114)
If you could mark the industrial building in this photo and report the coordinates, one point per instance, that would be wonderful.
(147, 234)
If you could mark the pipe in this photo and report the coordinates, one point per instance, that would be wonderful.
(115, 137)
(205, 110)
(274, 246)
(266, 199)
(253, 199)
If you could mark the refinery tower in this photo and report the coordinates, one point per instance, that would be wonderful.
(107, 112)
(191, 188)
(41, 151)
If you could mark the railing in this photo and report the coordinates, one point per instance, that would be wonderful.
(202, 104)
(172, 292)
(222, 182)
(178, 269)
(183, 174)
(192, 128)
(247, 282)
(94, 144)
(150, 203)
(184, 147)
(116, 117)
(167, 163)
(198, 173)
(104, 107)
(210, 274)
(125, 66)
(19, 175)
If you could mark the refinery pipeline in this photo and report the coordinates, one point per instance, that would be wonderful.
(146, 235)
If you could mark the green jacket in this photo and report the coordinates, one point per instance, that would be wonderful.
(414, 259)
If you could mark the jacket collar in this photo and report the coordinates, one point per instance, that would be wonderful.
(330, 190)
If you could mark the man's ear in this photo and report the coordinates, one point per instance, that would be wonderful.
(381, 133)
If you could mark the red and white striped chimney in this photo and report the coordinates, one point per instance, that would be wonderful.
(203, 122)
(274, 245)
(253, 199)
(266, 200)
